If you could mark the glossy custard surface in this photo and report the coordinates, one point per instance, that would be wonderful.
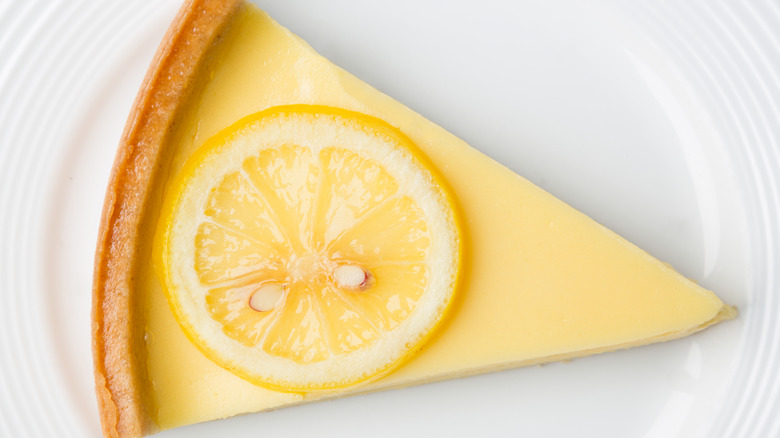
(540, 281)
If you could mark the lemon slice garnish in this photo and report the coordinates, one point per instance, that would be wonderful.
(308, 248)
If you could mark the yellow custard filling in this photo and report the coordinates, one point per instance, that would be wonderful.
(540, 281)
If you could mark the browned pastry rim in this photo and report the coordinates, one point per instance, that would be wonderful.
(117, 349)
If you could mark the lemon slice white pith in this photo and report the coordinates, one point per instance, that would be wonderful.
(308, 247)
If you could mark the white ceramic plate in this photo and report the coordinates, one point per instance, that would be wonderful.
(659, 119)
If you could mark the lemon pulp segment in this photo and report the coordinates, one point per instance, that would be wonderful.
(539, 280)
(269, 227)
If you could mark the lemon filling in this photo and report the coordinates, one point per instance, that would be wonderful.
(539, 281)
(308, 248)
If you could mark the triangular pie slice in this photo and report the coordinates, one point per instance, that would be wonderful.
(540, 281)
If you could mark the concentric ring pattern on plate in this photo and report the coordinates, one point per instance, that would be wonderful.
(729, 53)
(43, 44)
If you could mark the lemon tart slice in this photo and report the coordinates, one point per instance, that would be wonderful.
(277, 232)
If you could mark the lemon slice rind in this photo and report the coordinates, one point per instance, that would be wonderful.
(314, 127)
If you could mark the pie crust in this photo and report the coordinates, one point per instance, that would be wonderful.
(117, 347)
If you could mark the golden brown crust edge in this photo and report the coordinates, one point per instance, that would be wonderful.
(116, 348)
